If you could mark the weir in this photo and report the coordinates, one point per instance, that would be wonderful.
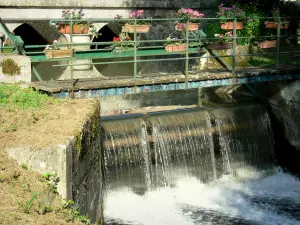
(160, 147)
(193, 167)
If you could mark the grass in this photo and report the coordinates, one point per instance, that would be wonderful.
(14, 95)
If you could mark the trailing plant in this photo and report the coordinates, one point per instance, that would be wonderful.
(228, 13)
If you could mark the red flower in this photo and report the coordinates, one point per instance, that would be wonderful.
(116, 39)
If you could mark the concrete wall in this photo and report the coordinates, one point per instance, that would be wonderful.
(23, 65)
(78, 165)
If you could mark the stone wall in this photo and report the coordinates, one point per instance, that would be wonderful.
(115, 3)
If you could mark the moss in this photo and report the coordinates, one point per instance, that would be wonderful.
(78, 144)
(10, 67)
(89, 133)
(95, 120)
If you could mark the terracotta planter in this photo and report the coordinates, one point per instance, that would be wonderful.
(176, 48)
(229, 26)
(139, 28)
(182, 26)
(267, 44)
(77, 29)
(220, 46)
(274, 25)
(61, 53)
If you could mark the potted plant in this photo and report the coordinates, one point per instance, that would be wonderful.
(186, 15)
(141, 26)
(276, 20)
(54, 51)
(223, 41)
(80, 25)
(123, 43)
(227, 13)
(173, 45)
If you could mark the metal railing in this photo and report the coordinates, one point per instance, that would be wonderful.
(154, 48)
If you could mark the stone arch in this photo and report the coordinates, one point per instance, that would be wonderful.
(41, 33)
(29, 35)
(107, 32)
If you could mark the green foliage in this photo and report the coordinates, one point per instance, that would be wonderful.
(52, 181)
(252, 27)
(70, 205)
(231, 12)
(261, 61)
(27, 206)
(43, 209)
(24, 166)
(14, 95)
(10, 67)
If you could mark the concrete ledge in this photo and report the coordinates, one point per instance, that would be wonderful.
(78, 165)
(21, 69)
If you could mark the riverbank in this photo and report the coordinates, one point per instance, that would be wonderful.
(35, 121)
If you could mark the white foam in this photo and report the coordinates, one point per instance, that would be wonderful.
(228, 196)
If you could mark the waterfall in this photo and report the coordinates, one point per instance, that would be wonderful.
(183, 146)
(200, 166)
(245, 138)
(124, 142)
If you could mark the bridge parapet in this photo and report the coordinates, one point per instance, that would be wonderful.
(110, 4)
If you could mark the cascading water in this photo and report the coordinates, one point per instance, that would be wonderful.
(183, 146)
(245, 138)
(125, 153)
(196, 167)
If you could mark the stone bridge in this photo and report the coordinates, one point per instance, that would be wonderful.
(21, 16)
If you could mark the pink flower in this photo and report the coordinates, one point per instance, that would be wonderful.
(190, 11)
(184, 10)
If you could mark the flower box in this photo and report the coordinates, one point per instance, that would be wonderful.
(219, 46)
(267, 44)
(182, 26)
(61, 53)
(229, 25)
(274, 25)
(176, 48)
(129, 28)
(77, 29)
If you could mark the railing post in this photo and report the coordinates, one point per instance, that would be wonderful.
(135, 56)
(278, 44)
(71, 58)
(187, 56)
(234, 44)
